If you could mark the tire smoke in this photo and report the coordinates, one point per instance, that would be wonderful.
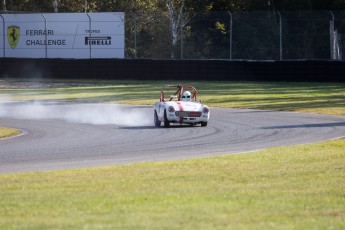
(96, 114)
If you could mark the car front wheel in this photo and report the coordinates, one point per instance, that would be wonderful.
(156, 120)
(166, 121)
(203, 124)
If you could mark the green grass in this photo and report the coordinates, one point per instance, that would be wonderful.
(8, 132)
(324, 98)
(299, 187)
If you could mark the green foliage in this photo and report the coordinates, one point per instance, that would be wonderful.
(191, 6)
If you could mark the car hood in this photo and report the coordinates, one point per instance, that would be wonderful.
(185, 105)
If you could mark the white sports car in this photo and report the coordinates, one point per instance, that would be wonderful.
(182, 107)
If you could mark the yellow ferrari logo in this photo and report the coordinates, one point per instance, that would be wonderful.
(13, 33)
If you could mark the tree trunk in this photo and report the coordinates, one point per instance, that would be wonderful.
(176, 20)
(56, 6)
(4, 5)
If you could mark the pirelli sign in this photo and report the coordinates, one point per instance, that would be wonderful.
(62, 35)
(98, 41)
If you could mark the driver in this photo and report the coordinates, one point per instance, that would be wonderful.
(186, 96)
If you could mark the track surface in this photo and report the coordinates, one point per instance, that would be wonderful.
(54, 144)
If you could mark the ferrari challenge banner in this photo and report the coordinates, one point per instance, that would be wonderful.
(62, 35)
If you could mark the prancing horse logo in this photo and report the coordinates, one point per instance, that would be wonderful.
(13, 33)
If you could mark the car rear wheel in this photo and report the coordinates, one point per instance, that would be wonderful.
(166, 121)
(156, 120)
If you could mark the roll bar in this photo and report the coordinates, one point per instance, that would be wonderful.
(178, 93)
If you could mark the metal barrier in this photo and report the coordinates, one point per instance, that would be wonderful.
(174, 70)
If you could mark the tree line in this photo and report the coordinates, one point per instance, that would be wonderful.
(190, 5)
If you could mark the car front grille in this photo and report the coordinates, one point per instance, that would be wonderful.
(187, 114)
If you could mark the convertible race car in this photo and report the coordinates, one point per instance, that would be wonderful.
(181, 107)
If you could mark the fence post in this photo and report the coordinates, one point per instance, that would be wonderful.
(45, 36)
(332, 38)
(135, 36)
(90, 35)
(3, 28)
(230, 35)
(280, 37)
(181, 40)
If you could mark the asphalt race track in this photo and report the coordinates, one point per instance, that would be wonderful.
(55, 142)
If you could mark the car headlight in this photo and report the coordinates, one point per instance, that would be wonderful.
(205, 110)
(171, 109)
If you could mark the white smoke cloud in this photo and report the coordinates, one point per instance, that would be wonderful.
(97, 114)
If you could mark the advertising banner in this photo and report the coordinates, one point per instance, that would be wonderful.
(63, 35)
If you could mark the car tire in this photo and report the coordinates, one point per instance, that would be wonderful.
(203, 124)
(156, 120)
(166, 121)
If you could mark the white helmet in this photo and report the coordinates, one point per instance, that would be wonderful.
(186, 96)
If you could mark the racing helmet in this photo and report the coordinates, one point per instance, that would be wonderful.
(186, 96)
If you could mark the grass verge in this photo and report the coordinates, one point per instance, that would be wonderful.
(323, 98)
(299, 187)
(8, 132)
